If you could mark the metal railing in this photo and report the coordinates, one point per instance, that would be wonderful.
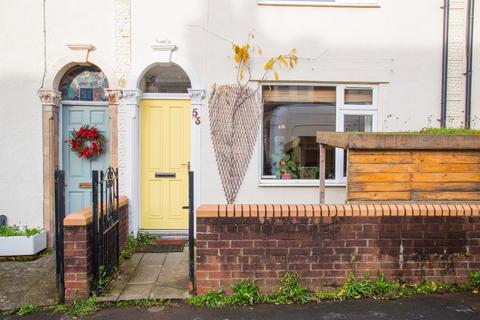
(191, 226)
(106, 233)
(59, 233)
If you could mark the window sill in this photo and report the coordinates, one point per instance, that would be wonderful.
(300, 183)
(316, 4)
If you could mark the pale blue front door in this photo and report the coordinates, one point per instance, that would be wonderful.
(78, 171)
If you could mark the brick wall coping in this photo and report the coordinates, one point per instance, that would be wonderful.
(84, 217)
(336, 210)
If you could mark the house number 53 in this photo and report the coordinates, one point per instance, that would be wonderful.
(196, 116)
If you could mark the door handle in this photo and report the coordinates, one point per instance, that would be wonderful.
(165, 175)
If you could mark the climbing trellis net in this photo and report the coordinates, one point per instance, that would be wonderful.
(234, 113)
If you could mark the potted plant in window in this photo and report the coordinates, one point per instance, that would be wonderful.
(16, 241)
(288, 168)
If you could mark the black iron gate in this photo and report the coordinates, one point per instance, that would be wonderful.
(191, 228)
(106, 241)
(59, 234)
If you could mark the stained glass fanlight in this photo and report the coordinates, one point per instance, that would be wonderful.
(84, 83)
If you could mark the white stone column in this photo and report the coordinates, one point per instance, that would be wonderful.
(129, 153)
(50, 135)
(114, 96)
(456, 64)
(197, 97)
(123, 40)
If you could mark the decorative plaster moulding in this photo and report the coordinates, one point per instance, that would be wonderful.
(81, 51)
(163, 50)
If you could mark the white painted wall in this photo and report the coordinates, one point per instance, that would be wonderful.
(21, 73)
(21, 70)
(476, 71)
(397, 45)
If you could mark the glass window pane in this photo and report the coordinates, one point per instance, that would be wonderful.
(359, 96)
(85, 83)
(289, 139)
(165, 78)
(355, 123)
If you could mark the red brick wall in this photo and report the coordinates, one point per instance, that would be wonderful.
(123, 225)
(78, 261)
(324, 250)
(78, 243)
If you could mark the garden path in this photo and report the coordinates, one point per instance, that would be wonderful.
(151, 276)
(27, 282)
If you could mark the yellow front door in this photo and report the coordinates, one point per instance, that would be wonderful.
(165, 154)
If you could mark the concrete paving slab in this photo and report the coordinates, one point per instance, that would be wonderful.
(174, 279)
(153, 259)
(136, 291)
(145, 274)
(160, 292)
(160, 275)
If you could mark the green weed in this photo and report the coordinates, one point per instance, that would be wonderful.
(291, 291)
(85, 307)
(212, 299)
(474, 281)
(244, 293)
(142, 239)
(60, 308)
(27, 309)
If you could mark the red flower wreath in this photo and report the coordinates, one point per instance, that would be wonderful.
(87, 142)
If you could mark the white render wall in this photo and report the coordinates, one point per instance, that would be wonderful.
(21, 72)
(21, 54)
(366, 45)
(476, 70)
(397, 46)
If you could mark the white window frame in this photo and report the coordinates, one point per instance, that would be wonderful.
(320, 3)
(341, 111)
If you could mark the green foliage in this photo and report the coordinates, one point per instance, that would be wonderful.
(327, 295)
(290, 291)
(380, 288)
(27, 309)
(142, 239)
(103, 280)
(355, 289)
(13, 231)
(60, 308)
(474, 281)
(85, 307)
(290, 167)
(212, 299)
(450, 131)
(244, 293)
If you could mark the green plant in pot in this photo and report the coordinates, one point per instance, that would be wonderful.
(288, 167)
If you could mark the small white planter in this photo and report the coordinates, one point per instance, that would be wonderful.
(23, 245)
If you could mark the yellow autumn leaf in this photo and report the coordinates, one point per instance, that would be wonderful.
(238, 56)
(245, 54)
(276, 75)
(292, 57)
(269, 65)
(282, 59)
(236, 48)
